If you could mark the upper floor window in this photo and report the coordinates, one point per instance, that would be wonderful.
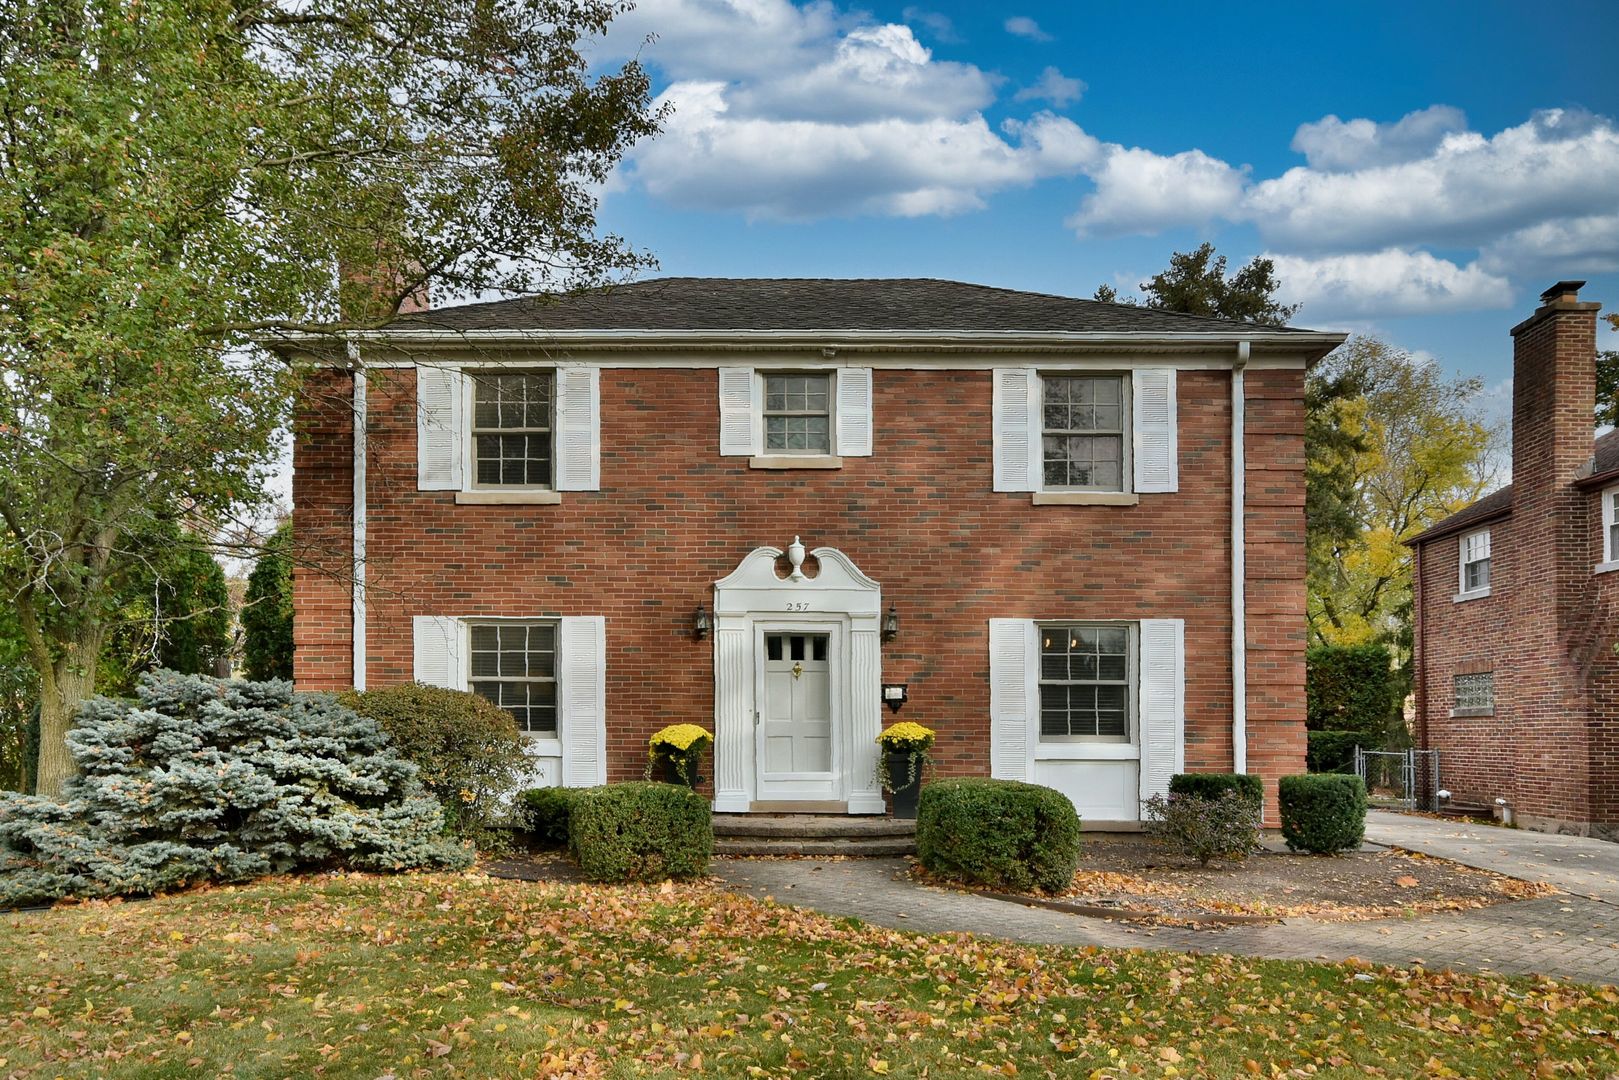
(1084, 420)
(1086, 672)
(514, 665)
(511, 428)
(1610, 525)
(798, 414)
(1475, 564)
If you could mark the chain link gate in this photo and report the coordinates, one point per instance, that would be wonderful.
(1400, 779)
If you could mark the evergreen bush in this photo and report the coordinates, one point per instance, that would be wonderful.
(1247, 786)
(1350, 688)
(640, 831)
(546, 811)
(467, 750)
(1334, 751)
(1323, 812)
(201, 779)
(1000, 833)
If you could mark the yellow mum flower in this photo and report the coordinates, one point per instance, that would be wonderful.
(680, 736)
(907, 734)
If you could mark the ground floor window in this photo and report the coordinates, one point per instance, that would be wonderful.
(1087, 674)
(1475, 692)
(514, 665)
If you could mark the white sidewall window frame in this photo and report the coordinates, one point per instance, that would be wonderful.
(1610, 516)
(1472, 547)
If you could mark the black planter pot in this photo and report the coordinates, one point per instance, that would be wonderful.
(899, 771)
(671, 771)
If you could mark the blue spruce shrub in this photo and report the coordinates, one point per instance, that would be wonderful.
(201, 779)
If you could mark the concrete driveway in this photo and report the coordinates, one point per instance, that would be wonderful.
(1575, 864)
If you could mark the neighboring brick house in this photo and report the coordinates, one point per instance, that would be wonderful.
(1017, 506)
(1517, 611)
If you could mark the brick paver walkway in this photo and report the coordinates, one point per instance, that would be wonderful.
(1571, 937)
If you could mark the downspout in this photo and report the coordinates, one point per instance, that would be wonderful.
(1239, 599)
(358, 615)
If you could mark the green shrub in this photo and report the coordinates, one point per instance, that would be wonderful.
(546, 811)
(267, 610)
(640, 831)
(201, 780)
(1334, 751)
(1212, 785)
(1350, 688)
(468, 750)
(1203, 828)
(1323, 812)
(1000, 833)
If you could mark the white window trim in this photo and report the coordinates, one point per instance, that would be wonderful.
(545, 745)
(1462, 562)
(1094, 746)
(763, 376)
(1610, 510)
(1127, 463)
(493, 493)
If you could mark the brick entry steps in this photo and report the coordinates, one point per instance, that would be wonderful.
(812, 834)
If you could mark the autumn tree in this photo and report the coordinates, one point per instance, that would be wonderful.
(180, 181)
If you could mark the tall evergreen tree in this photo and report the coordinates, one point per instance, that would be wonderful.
(267, 610)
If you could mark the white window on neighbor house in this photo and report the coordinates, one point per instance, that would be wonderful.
(1085, 436)
(1474, 559)
(782, 419)
(508, 434)
(550, 674)
(1087, 677)
(1474, 693)
(1610, 529)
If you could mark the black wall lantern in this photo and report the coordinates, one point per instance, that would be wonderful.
(895, 695)
(891, 624)
(699, 623)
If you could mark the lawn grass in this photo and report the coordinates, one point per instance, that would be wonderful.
(443, 975)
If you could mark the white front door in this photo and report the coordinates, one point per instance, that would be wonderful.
(796, 746)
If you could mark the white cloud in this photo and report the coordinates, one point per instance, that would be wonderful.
(1573, 245)
(1053, 86)
(1138, 191)
(1334, 145)
(1025, 27)
(937, 23)
(1385, 283)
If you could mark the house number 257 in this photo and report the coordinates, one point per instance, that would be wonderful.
(804, 606)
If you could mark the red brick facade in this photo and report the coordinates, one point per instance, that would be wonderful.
(918, 516)
(1547, 629)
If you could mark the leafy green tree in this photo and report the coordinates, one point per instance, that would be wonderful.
(1608, 387)
(181, 181)
(1196, 283)
(267, 610)
(175, 613)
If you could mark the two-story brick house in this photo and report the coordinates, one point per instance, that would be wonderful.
(1073, 532)
(1517, 606)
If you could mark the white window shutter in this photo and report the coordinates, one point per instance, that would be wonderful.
(740, 409)
(582, 700)
(578, 429)
(1162, 707)
(1153, 419)
(440, 428)
(1014, 698)
(438, 652)
(1016, 424)
(854, 413)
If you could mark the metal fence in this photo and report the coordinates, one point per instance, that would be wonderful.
(1403, 779)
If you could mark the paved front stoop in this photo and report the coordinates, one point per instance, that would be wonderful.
(812, 834)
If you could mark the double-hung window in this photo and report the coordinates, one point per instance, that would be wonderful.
(1474, 559)
(1087, 671)
(512, 428)
(798, 413)
(514, 665)
(1610, 529)
(1084, 428)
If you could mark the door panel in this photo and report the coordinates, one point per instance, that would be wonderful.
(795, 725)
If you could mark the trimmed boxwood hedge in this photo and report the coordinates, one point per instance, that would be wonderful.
(1000, 833)
(640, 831)
(1350, 688)
(546, 813)
(1334, 751)
(1323, 812)
(1213, 785)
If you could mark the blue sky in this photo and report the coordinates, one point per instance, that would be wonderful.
(1420, 171)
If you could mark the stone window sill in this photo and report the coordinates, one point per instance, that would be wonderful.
(1472, 712)
(1476, 594)
(507, 498)
(1086, 498)
(796, 461)
(1603, 568)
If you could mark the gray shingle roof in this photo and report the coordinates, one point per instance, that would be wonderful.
(895, 304)
(1604, 460)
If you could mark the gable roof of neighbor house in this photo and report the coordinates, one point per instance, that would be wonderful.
(678, 304)
(1604, 463)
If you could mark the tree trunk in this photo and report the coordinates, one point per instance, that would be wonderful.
(68, 684)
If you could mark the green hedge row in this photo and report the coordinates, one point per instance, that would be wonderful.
(1213, 785)
(1350, 688)
(640, 831)
(1000, 833)
(1334, 751)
